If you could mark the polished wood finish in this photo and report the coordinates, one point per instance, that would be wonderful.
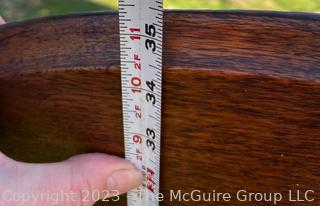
(241, 97)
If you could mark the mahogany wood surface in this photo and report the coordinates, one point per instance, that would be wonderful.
(241, 98)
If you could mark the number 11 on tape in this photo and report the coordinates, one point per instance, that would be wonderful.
(140, 24)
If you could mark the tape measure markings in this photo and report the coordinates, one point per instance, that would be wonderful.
(140, 25)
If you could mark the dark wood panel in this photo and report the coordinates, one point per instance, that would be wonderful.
(241, 97)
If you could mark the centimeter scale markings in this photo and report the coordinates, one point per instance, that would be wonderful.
(140, 24)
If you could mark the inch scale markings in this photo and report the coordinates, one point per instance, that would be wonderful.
(140, 24)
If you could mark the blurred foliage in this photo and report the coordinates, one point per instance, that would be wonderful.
(13, 10)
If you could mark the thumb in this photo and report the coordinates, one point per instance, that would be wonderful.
(105, 172)
(2, 21)
(79, 176)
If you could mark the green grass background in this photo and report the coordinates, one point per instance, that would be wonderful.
(15, 10)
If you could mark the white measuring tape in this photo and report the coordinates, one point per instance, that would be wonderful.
(141, 70)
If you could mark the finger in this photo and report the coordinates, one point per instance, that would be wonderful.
(89, 172)
(2, 21)
(107, 172)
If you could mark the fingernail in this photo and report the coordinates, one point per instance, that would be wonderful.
(124, 180)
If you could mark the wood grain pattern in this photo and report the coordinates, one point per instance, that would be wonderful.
(241, 97)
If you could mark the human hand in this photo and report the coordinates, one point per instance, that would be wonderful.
(73, 181)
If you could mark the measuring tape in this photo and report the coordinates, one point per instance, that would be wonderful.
(141, 73)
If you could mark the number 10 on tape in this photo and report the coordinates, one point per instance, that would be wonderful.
(140, 24)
